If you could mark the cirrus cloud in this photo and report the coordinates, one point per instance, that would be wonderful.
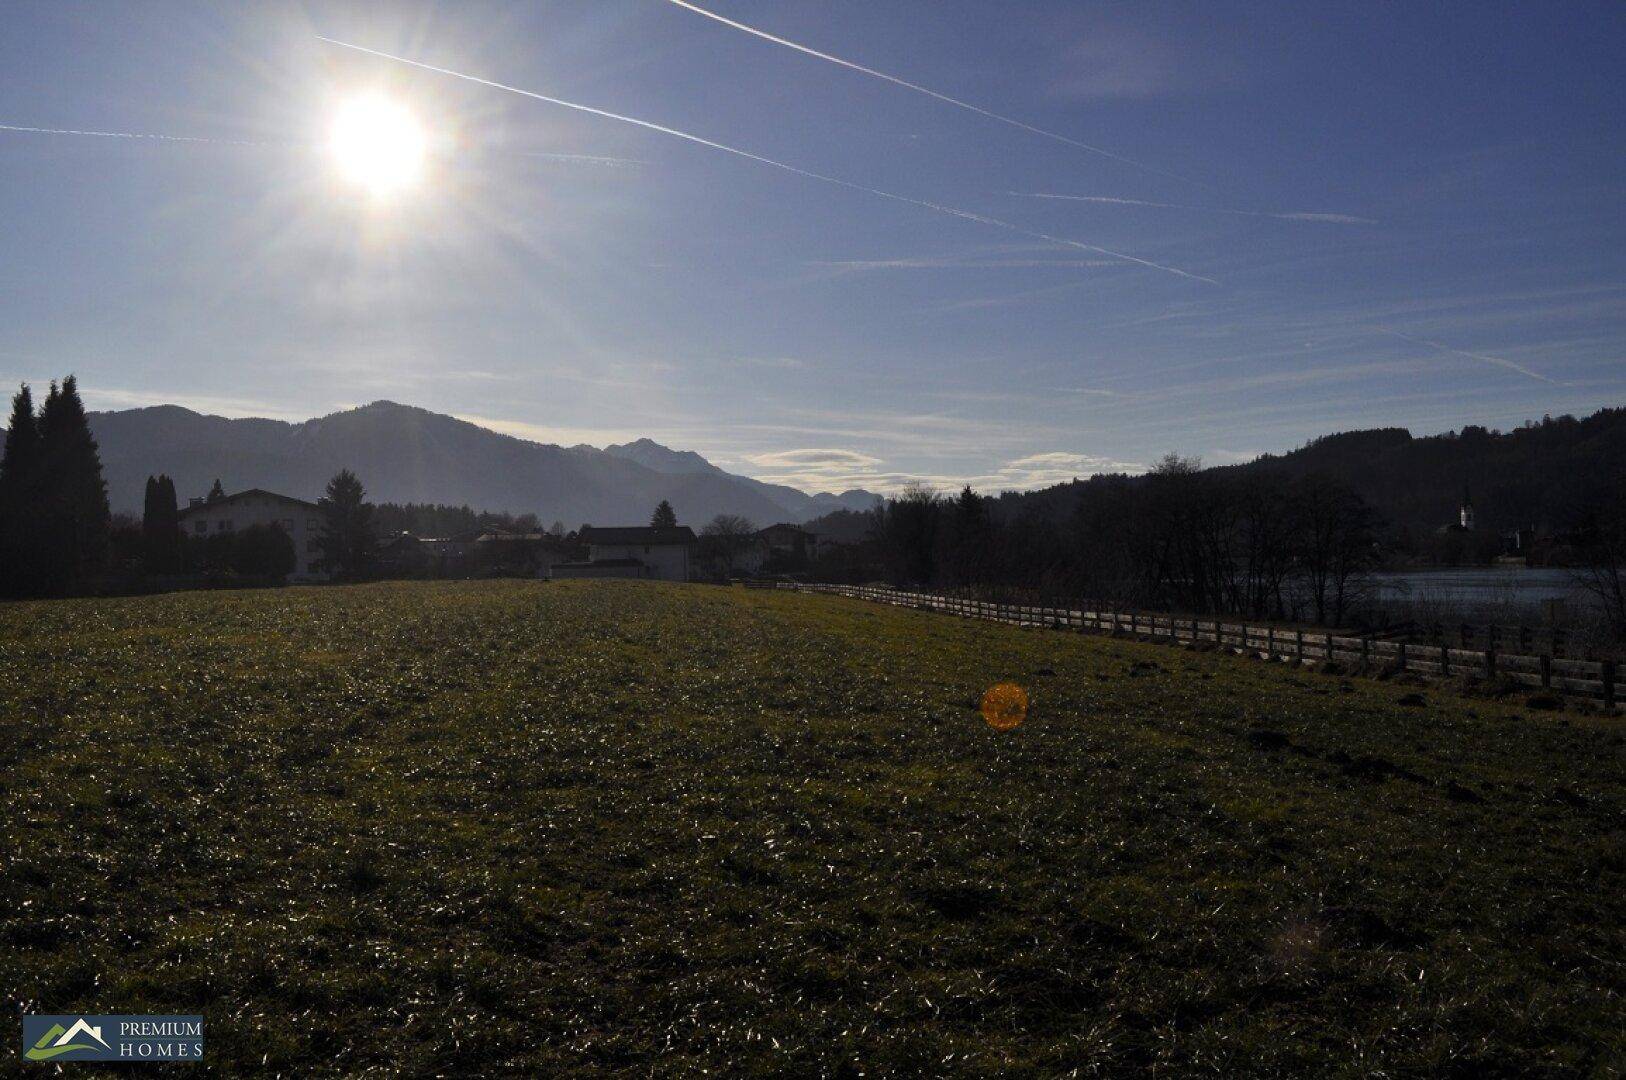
(828, 469)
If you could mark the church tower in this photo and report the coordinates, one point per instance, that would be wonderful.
(1466, 514)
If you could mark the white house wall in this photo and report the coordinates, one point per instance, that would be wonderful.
(668, 562)
(303, 524)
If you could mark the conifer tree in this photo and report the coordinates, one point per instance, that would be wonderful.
(22, 443)
(160, 526)
(970, 538)
(664, 517)
(217, 492)
(75, 515)
(346, 540)
(19, 491)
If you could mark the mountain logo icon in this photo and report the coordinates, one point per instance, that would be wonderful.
(60, 1041)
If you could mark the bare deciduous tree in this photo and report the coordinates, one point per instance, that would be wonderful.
(1601, 552)
(725, 539)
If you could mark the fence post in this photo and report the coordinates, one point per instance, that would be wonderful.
(1299, 644)
(1270, 643)
(1490, 661)
(1445, 659)
(1366, 651)
(1400, 654)
(1608, 674)
(1546, 671)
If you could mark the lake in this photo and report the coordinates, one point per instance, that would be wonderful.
(1480, 585)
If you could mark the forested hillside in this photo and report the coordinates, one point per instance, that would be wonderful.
(1532, 476)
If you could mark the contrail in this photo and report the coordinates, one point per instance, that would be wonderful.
(1289, 215)
(585, 159)
(907, 85)
(130, 135)
(964, 215)
(1497, 360)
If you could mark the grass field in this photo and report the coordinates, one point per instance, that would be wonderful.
(613, 827)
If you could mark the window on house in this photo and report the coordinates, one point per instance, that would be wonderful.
(224, 526)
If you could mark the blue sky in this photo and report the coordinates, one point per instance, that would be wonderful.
(1409, 215)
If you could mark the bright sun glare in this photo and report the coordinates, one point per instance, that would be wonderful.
(378, 144)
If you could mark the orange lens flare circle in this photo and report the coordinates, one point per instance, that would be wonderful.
(1005, 706)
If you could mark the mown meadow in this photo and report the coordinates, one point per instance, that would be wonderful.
(602, 828)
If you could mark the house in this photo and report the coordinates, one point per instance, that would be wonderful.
(1517, 543)
(301, 520)
(405, 555)
(662, 553)
(490, 553)
(449, 556)
(604, 568)
(776, 549)
(402, 555)
(530, 554)
(788, 543)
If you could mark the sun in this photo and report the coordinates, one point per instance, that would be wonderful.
(378, 144)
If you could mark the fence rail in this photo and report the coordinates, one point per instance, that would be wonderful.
(1585, 678)
(1530, 640)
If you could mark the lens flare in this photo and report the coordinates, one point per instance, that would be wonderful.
(1005, 706)
(378, 144)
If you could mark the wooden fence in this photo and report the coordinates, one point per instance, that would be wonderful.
(1586, 678)
(1531, 640)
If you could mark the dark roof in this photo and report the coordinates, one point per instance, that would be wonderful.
(399, 540)
(639, 534)
(244, 494)
(784, 527)
(597, 562)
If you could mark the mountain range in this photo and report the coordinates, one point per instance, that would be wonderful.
(1527, 476)
(408, 454)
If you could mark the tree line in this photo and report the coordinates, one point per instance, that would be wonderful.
(1543, 476)
(1177, 539)
(1260, 543)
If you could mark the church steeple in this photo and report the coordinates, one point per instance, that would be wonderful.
(1466, 514)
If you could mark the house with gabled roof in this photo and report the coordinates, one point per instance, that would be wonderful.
(301, 520)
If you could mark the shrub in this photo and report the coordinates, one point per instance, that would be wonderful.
(263, 551)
